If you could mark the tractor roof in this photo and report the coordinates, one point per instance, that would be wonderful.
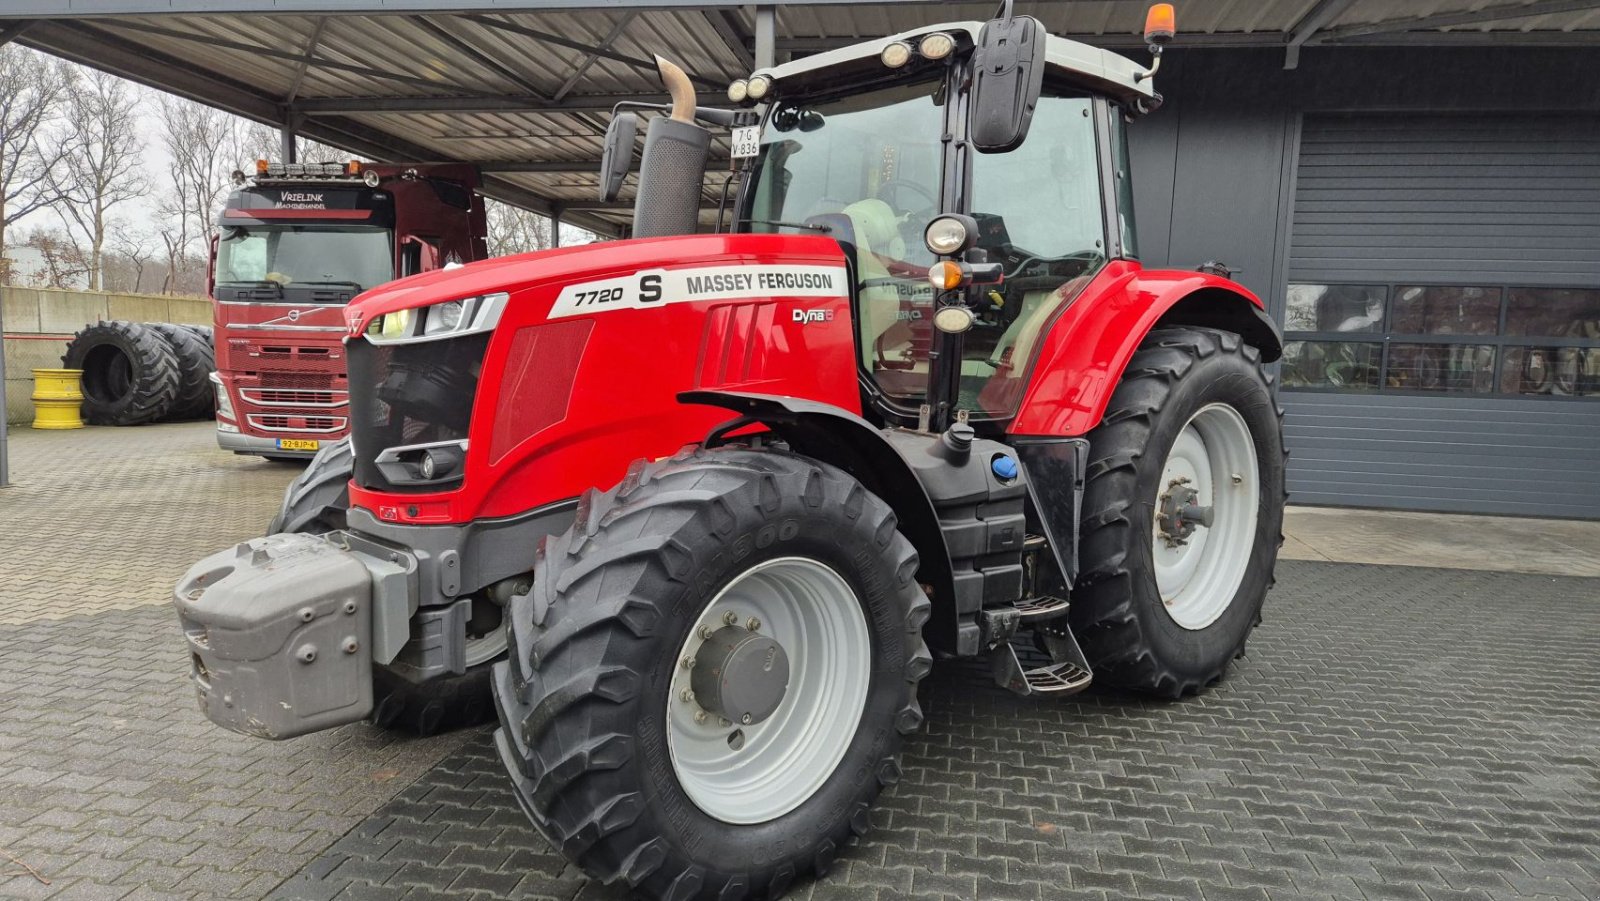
(1096, 69)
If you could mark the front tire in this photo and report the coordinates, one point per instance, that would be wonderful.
(1164, 602)
(615, 758)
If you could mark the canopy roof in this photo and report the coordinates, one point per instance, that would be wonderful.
(525, 87)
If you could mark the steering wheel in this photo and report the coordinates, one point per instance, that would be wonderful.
(920, 217)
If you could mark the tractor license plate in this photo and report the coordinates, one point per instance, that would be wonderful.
(298, 444)
(746, 142)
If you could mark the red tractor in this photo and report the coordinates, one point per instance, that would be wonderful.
(703, 508)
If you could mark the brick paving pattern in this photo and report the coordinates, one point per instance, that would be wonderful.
(1394, 733)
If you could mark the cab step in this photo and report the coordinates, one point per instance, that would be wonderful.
(1041, 607)
(1067, 673)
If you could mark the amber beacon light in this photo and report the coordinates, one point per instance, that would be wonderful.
(1160, 24)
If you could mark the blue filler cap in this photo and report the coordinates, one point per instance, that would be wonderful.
(1004, 467)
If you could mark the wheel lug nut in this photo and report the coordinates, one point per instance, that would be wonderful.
(754, 624)
(706, 632)
(700, 717)
(730, 618)
(688, 663)
(688, 695)
(745, 719)
(1237, 479)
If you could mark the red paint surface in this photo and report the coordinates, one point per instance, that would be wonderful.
(623, 403)
(1091, 341)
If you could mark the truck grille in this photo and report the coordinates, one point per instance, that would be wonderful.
(277, 423)
(289, 397)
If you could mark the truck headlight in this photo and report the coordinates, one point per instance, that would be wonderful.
(224, 403)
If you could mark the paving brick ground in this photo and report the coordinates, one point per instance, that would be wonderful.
(1395, 733)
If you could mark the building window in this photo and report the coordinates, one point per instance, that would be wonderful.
(1443, 339)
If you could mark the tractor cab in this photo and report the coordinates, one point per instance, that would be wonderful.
(882, 147)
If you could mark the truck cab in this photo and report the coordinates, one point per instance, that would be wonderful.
(294, 245)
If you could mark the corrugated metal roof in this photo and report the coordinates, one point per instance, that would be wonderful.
(482, 81)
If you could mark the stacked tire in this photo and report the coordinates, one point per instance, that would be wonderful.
(138, 373)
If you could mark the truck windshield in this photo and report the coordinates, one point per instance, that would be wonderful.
(867, 167)
(354, 257)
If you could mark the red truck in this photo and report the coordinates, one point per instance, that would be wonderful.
(295, 244)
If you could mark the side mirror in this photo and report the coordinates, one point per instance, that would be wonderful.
(617, 159)
(1008, 76)
(211, 270)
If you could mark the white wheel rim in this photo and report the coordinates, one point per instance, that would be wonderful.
(814, 614)
(489, 646)
(1215, 456)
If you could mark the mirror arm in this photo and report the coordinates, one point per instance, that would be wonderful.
(1155, 65)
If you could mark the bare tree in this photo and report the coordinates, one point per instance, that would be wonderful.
(199, 141)
(102, 166)
(132, 251)
(515, 230)
(32, 91)
(61, 262)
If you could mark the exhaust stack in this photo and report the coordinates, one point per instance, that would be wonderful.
(674, 163)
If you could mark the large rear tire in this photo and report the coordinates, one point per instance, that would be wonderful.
(130, 373)
(1164, 602)
(316, 502)
(195, 365)
(620, 750)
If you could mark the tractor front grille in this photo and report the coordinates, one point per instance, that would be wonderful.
(405, 394)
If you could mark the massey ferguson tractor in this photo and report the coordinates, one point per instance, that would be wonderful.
(701, 509)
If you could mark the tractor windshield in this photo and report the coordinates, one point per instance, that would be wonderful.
(866, 166)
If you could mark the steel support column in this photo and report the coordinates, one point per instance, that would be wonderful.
(555, 229)
(5, 457)
(766, 37)
(286, 142)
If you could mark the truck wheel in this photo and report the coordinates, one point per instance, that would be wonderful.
(1182, 513)
(195, 365)
(130, 374)
(317, 499)
(316, 502)
(707, 685)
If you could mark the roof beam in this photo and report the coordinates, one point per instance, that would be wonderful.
(10, 32)
(500, 103)
(591, 165)
(274, 53)
(648, 65)
(1313, 21)
(18, 9)
(727, 25)
(594, 55)
(1484, 16)
(478, 56)
(305, 62)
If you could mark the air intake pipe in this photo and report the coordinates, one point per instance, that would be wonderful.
(674, 164)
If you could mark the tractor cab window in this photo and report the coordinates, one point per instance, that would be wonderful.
(1040, 213)
(867, 167)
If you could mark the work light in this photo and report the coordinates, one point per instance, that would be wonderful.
(760, 85)
(937, 45)
(738, 91)
(896, 55)
(948, 235)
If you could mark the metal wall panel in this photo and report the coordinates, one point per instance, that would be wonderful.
(1479, 455)
(1480, 199)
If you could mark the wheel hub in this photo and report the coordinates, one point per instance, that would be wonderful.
(1179, 515)
(740, 675)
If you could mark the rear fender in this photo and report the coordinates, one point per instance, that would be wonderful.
(1088, 348)
(841, 438)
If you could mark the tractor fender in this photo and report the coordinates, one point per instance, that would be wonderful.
(838, 437)
(1083, 356)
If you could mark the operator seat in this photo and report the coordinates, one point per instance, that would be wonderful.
(877, 233)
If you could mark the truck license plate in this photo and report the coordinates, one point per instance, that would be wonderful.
(746, 141)
(298, 444)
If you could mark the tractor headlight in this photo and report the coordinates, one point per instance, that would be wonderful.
(443, 318)
(391, 326)
(937, 45)
(467, 316)
(759, 87)
(896, 55)
(953, 319)
(949, 235)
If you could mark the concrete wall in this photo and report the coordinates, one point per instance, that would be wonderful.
(39, 322)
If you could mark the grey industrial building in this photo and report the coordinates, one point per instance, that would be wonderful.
(1413, 187)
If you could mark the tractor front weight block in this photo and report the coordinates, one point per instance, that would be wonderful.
(281, 632)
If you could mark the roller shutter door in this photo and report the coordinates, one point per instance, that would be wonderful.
(1443, 314)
